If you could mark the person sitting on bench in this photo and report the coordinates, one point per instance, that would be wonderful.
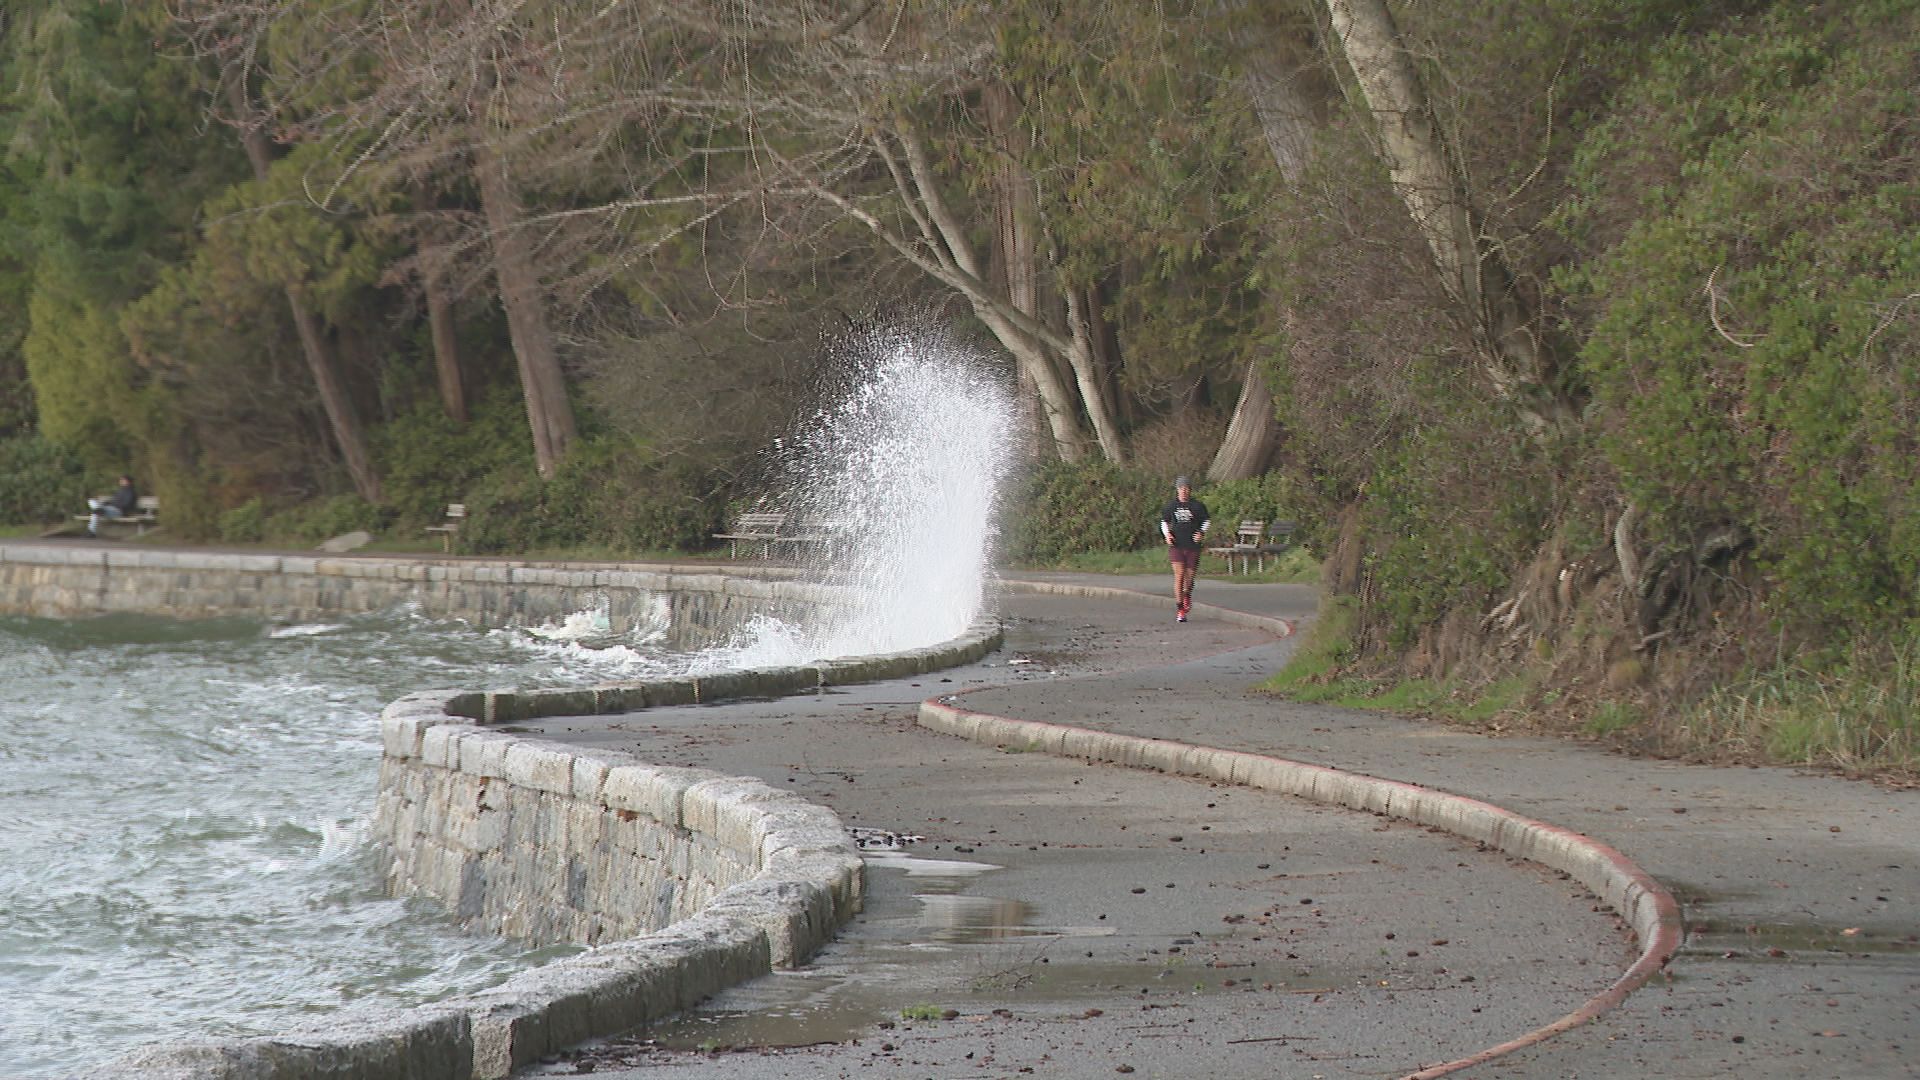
(117, 505)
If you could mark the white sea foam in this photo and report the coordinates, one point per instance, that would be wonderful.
(900, 477)
(305, 630)
(589, 623)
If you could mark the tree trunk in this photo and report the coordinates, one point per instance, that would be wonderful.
(1521, 368)
(1016, 207)
(1107, 355)
(1092, 379)
(549, 410)
(1016, 211)
(1057, 404)
(1288, 112)
(446, 344)
(434, 264)
(1251, 435)
(335, 400)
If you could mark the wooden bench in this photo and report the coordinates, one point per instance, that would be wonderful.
(1247, 539)
(799, 534)
(146, 514)
(1279, 539)
(763, 527)
(1253, 541)
(450, 528)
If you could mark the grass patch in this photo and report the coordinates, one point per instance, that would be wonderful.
(1314, 676)
(1498, 697)
(1863, 716)
(1310, 675)
(1611, 718)
(922, 1012)
(1412, 695)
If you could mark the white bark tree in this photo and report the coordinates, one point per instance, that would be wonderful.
(1522, 367)
(843, 110)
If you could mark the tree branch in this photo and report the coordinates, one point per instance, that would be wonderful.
(1713, 315)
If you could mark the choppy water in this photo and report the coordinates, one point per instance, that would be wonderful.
(184, 814)
(184, 805)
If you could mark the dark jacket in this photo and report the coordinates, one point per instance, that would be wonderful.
(124, 498)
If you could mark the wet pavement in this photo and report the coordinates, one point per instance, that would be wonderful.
(1055, 918)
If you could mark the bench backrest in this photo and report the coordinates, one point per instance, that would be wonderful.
(147, 504)
(760, 521)
(456, 511)
(1250, 531)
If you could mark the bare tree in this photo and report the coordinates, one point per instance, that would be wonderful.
(883, 119)
(1521, 365)
(886, 113)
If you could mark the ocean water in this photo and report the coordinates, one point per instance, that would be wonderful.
(184, 805)
(184, 822)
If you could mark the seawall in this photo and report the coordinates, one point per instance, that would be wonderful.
(65, 580)
(682, 881)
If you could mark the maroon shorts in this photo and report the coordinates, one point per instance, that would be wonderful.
(1188, 557)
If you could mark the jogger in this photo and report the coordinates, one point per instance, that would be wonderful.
(1184, 525)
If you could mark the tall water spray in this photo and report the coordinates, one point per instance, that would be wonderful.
(900, 474)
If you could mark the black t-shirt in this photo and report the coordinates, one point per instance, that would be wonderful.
(123, 498)
(1184, 520)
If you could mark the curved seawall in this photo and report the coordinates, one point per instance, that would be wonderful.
(683, 881)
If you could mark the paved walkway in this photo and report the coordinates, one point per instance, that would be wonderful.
(1802, 957)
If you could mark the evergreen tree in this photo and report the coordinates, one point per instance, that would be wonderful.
(108, 146)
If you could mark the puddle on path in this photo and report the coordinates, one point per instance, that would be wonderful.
(793, 1010)
(1731, 937)
(1768, 938)
(936, 948)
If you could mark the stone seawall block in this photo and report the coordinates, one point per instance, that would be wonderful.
(541, 768)
(427, 1043)
(654, 790)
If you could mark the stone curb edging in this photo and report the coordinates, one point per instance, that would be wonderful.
(1646, 904)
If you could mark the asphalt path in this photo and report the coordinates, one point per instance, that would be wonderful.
(1052, 918)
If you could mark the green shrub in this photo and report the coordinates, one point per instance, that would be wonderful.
(1451, 514)
(244, 524)
(1061, 510)
(607, 495)
(312, 522)
(1782, 400)
(672, 508)
(501, 511)
(428, 461)
(39, 481)
(1270, 497)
